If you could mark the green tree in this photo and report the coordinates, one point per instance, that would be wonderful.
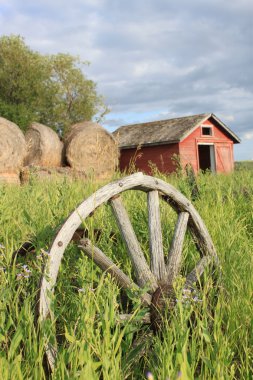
(50, 89)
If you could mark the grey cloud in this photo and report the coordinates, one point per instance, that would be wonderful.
(174, 57)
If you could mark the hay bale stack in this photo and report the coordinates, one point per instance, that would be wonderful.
(44, 147)
(12, 151)
(91, 149)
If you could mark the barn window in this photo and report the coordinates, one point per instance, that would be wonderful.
(207, 131)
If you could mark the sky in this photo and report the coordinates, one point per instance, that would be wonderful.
(152, 59)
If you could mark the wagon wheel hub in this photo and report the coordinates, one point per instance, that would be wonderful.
(162, 303)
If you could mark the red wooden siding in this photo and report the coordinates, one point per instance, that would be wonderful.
(144, 158)
(223, 148)
(160, 155)
(224, 157)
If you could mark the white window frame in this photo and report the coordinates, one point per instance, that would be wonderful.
(206, 126)
(212, 156)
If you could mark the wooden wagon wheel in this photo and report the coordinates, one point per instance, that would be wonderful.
(159, 276)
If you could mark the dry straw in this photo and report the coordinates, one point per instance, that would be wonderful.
(51, 174)
(44, 147)
(12, 151)
(91, 149)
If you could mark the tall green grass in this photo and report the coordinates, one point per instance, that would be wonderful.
(214, 344)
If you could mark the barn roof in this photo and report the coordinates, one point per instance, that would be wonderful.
(165, 131)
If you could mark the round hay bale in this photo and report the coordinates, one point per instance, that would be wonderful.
(44, 147)
(12, 147)
(10, 178)
(91, 149)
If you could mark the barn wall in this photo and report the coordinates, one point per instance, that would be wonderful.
(223, 148)
(144, 158)
(160, 155)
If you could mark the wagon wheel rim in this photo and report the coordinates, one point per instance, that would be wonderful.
(159, 271)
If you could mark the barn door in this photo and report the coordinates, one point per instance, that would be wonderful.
(224, 157)
(206, 157)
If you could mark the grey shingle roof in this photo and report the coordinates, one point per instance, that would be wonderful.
(164, 131)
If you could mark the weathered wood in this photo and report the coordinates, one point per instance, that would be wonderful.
(134, 181)
(155, 237)
(144, 276)
(64, 235)
(107, 265)
(196, 273)
(51, 352)
(87, 207)
(176, 249)
(196, 225)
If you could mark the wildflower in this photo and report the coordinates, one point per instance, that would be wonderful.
(187, 292)
(81, 290)
(26, 269)
(196, 299)
(25, 272)
(149, 376)
(2, 246)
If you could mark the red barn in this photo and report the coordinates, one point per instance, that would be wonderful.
(203, 141)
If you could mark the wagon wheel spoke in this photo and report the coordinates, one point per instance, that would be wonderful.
(176, 249)
(157, 263)
(107, 265)
(199, 269)
(144, 275)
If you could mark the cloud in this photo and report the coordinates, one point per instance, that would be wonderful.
(248, 135)
(151, 58)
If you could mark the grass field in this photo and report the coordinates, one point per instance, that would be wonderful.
(211, 339)
(244, 165)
